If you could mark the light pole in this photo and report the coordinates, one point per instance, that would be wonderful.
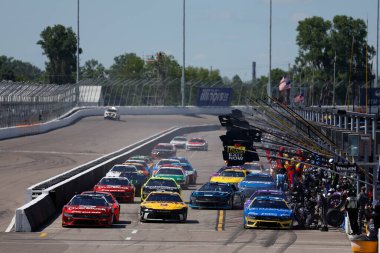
(377, 46)
(183, 59)
(334, 81)
(269, 87)
(77, 85)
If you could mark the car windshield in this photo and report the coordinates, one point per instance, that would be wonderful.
(86, 200)
(251, 166)
(259, 177)
(197, 140)
(138, 161)
(114, 181)
(179, 139)
(232, 174)
(111, 110)
(269, 203)
(272, 194)
(216, 188)
(186, 167)
(164, 197)
(164, 147)
(160, 182)
(167, 161)
(106, 196)
(120, 168)
(170, 171)
(139, 166)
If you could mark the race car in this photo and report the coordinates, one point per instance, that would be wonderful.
(232, 176)
(269, 193)
(268, 212)
(147, 159)
(141, 166)
(137, 179)
(110, 199)
(117, 169)
(217, 172)
(179, 141)
(197, 144)
(254, 167)
(159, 184)
(87, 210)
(162, 162)
(217, 195)
(176, 173)
(111, 113)
(163, 150)
(164, 206)
(256, 181)
(191, 173)
(119, 187)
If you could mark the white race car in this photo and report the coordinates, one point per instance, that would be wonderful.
(111, 113)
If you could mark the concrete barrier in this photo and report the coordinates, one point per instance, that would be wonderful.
(33, 215)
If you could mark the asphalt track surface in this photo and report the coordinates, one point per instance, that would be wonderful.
(32, 159)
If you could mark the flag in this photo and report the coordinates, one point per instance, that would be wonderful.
(285, 84)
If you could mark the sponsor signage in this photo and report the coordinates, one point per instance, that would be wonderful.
(214, 96)
(345, 168)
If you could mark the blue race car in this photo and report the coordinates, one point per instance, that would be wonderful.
(256, 181)
(268, 193)
(218, 196)
(268, 212)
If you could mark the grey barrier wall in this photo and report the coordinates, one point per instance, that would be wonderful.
(81, 112)
(35, 214)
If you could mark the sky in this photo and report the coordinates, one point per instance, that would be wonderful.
(227, 35)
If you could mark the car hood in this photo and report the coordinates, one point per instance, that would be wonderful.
(268, 212)
(114, 187)
(256, 184)
(221, 179)
(163, 205)
(86, 209)
(210, 194)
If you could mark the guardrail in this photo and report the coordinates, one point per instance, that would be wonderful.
(41, 210)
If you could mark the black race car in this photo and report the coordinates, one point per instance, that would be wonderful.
(163, 150)
(217, 195)
(137, 179)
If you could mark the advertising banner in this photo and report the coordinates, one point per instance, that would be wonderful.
(214, 96)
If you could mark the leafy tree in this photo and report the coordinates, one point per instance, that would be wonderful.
(323, 43)
(16, 70)
(93, 69)
(60, 46)
(127, 66)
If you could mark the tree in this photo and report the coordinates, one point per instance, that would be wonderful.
(93, 69)
(60, 46)
(343, 42)
(127, 66)
(16, 70)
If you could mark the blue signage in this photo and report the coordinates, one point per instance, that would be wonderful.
(214, 96)
(373, 96)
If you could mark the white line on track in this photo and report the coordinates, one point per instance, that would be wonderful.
(128, 238)
(11, 225)
(49, 152)
(134, 231)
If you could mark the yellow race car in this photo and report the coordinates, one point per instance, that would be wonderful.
(165, 206)
(232, 176)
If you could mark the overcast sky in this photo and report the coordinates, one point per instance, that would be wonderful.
(220, 34)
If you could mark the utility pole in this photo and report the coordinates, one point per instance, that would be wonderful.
(377, 47)
(183, 58)
(334, 81)
(77, 85)
(269, 87)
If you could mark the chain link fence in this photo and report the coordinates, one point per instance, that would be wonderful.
(32, 103)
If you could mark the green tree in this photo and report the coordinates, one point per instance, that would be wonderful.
(16, 70)
(323, 43)
(60, 46)
(127, 66)
(93, 69)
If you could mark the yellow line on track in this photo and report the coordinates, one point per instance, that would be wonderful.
(42, 235)
(220, 220)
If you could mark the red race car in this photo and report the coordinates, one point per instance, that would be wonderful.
(87, 210)
(119, 187)
(110, 199)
